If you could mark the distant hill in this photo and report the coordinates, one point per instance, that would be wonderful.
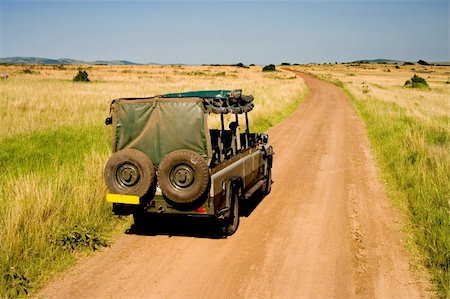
(40, 60)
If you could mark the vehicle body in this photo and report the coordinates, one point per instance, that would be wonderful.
(167, 161)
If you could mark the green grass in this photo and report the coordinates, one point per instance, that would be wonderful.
(42, 151)
(50, 203)
(414, 157)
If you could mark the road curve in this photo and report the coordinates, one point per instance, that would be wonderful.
(326, 230)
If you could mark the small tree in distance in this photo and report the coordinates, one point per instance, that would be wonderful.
(422, 62)
(417, 82)
(269, 68)
(82, 76)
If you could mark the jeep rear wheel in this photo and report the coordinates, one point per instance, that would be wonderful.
(130, 172)
(183, 176)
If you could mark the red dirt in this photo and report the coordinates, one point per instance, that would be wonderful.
(326, 229)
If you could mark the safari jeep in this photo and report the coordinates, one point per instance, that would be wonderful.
(167, 161)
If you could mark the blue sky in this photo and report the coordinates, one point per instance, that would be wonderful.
(259, 32)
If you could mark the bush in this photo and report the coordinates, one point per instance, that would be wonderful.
(79, 237)
(365, 89)
(408, 63)
(82, 76)
(285, 63)
(17, 285)
(422, 62)
(240, 64)
(269, 68)
(416, 82)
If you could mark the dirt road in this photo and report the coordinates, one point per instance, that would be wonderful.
(325, 231)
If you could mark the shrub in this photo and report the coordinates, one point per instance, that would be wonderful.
(269, 68)
(285, 63)
(82, 76)
(416, 82)
(422, 62)
(27, 71)
(408, 63)
(79, 237)
(17, 284)
(365, 89)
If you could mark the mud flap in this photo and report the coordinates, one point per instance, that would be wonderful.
(123, 209)
(229, 186)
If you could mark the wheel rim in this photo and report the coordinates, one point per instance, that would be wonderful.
(127, 175)
(182, 176)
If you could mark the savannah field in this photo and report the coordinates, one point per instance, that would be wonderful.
(54, 145)
(409, 131)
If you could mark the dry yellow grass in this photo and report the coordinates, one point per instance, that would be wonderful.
(385, 83)
(48, 97)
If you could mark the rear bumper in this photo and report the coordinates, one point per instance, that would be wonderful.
(157, 205)
(122, 198)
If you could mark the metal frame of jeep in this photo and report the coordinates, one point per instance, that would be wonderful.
(156, 169)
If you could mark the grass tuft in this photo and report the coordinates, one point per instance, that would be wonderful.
(17, 284)
(79, 237)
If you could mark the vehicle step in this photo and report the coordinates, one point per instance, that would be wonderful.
(253, 189)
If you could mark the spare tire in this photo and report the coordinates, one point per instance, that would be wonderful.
(183, 176)
(130, 172)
